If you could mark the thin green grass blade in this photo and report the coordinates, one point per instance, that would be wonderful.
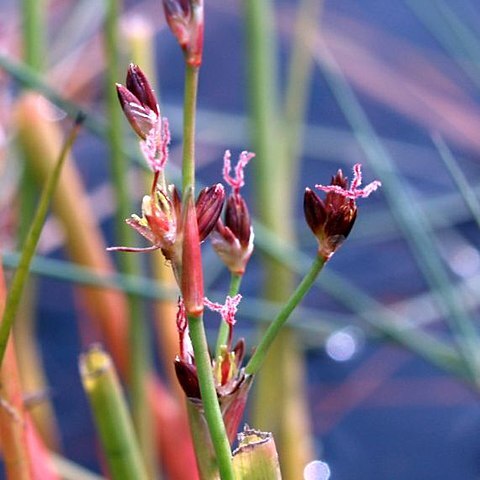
(114, 425)
(411, 219)
(30, 244)
(457, 39)
(468, 193)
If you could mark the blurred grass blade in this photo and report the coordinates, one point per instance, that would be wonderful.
(452, 33)
(111, 416)
(31, 366)
(12, 433)
(256, 457)
(412, 221)
(468, 194)
(33, 32)
(275, 173)
(29, 78)
(24, 456)
(300, 71)
(21, 274)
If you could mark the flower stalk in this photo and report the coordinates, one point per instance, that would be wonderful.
(257, 359)
(235, 282)
(189, 120)
(213, 414)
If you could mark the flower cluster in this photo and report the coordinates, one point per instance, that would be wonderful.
(177, 226)
(162, 221)
(332, 219)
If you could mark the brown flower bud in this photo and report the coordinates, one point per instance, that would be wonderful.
(187, 377)
(237, 219)
(138, 102)
(233, 241)
(185, 19)
(332, 219)
(209, 207)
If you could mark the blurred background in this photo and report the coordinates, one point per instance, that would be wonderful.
(387, 334)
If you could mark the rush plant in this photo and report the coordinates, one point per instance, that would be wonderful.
(216, 385)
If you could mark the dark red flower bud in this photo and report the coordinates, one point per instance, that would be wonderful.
(188, 379)
(315, 213)
(233, 241)
(138, 102)
(332, 219)
(209, 206)
(185, 19)
(138, 84)
(237, 219)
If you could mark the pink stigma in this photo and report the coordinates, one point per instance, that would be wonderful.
(228, 310)
(239, 181)
(353, 192)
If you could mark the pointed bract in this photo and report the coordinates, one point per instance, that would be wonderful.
(192, 275)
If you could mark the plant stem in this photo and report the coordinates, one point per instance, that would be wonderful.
(110, 411)
(235, 281)
(263, 101)
(33, 32)
(138, 338)
(30, 244)
(189, 115)
(258, 357)
(213, 414)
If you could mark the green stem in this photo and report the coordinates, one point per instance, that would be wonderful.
(213, 414)
(33, 22)
(253, 366)
(139, 351)
(263, 102)
(112, 419)
(21, 274)
(235, 281)
(189, 116)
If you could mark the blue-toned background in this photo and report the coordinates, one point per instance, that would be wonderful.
(378, 411)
